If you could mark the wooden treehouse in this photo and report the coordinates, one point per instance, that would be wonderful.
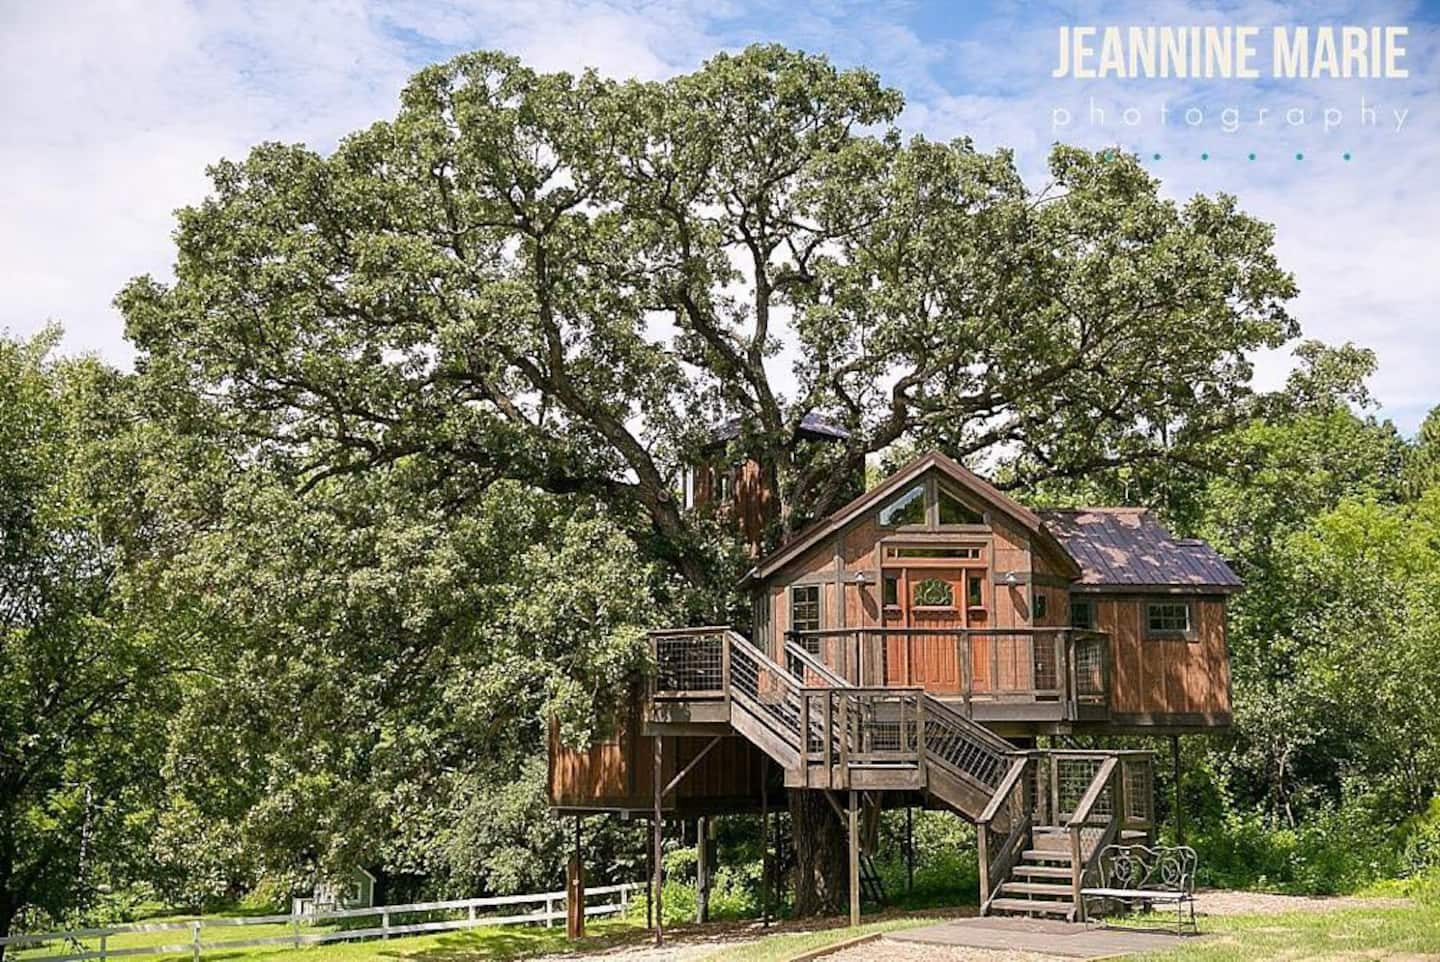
(908, 650)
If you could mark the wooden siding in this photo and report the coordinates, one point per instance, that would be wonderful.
(1165, 676)
(616, 773)
(749, 504)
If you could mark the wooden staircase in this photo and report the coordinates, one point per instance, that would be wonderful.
(1041, 817)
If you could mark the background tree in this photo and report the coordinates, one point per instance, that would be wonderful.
(83, 687)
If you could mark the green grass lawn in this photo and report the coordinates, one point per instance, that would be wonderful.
(1344, 934)
(1363, 933)
(494, 942)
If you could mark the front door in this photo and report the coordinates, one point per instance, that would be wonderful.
(924, 599)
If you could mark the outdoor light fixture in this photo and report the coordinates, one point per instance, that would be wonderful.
(1011, 579)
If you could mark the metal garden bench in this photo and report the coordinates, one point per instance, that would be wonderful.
(1139, 875)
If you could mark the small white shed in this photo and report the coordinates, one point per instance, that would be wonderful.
(355, 891)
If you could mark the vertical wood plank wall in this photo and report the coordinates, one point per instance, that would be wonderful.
(1170, 675)
(617, 772)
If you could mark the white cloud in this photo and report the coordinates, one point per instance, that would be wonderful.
(111, 110)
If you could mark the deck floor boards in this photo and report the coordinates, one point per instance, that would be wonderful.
(1044, 936)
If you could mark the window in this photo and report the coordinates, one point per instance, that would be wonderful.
(890, 591)
(909, 508)
(955, 511)
(805, 614)
(975, 590)
(967, 551)
(934, 593)
(1167, 619)
(1042, 606)
(1082, 613)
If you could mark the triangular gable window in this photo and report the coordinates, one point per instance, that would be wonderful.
(909, 508)
(955, 511)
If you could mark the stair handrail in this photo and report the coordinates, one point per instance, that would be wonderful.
(938, 709)
(791, 686)
(993, 870)
(802, 655)
(1080, 863)
(1007, 784)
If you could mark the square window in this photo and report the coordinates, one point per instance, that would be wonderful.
(805, 614)
(890, 591)
(1082, 613)
(975, 590)
(1167, 619)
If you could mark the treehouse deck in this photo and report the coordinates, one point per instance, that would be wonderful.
(1042, 817)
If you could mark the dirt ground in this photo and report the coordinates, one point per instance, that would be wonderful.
(691, 943)
(1215, 902)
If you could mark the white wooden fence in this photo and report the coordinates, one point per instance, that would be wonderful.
(549, 907)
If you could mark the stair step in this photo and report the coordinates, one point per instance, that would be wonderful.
(1031, 905)
(1040, 854)
(1037, 888)
(1042, 871)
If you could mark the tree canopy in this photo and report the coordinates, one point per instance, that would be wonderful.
(564, 280)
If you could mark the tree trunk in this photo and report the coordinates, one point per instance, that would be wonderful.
(821, 873)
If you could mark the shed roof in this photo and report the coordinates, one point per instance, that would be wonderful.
(813, 426)
(1129, 547)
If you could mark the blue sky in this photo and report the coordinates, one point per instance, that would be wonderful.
(111, 110)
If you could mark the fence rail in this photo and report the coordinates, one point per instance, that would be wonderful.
(549, 907)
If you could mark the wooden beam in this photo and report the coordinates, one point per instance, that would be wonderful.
(575, 892)
(657, 829)
(690, 766)
(909, 848)
(1175, 768)
(854, 858)
(765, 843)
(702, 869)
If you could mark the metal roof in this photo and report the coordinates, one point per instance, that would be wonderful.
(812, 425)
(1129, 547)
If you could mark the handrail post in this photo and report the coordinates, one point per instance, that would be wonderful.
(1058, 643)
(920, 736)
(982, 849)
(804, 727)
(725, 667)
(1073, 701)
(1077, 873)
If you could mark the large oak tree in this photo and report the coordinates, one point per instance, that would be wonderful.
(564, 280)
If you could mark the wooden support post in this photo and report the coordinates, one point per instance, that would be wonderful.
(1179, 812)
(657, 880)
(649, 895)
(854, 858)
(765, 863)
(575, 891)
(982, 854)
(909, 848)
(702, 869)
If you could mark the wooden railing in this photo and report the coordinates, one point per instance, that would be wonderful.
(1067, 667)
(1001, 842)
